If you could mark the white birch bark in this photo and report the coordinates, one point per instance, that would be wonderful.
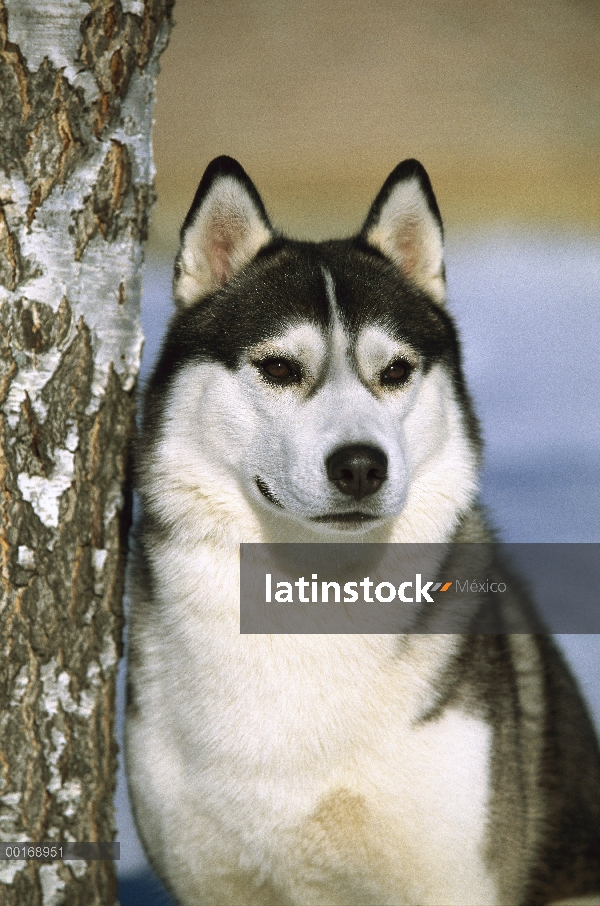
(76, 96)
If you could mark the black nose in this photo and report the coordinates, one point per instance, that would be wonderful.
(358, 470)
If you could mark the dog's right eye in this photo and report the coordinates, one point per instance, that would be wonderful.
(279, 371)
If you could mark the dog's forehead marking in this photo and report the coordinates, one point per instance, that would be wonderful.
(303, 342)
(370, 352)
(366, 355)
(338, 339)
(330, 290)
(375, 348)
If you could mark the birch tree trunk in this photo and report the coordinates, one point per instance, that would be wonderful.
(76, 95)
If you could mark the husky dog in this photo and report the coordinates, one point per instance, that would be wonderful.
(313, 392)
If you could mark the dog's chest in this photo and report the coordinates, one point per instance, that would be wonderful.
(304, 722)
(317, 746)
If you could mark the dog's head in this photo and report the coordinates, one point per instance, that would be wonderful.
(313, 389)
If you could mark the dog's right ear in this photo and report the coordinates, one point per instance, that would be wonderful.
(225, 228)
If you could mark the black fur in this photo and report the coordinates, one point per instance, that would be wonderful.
(408, 169)
(217, 169)
(285, 284)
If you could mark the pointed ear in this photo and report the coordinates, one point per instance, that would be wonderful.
(225, 228)
(404, 224)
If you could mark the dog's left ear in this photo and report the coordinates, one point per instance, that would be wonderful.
(225, 228)
(404, 224)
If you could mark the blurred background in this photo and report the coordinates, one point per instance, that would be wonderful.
(319, 100)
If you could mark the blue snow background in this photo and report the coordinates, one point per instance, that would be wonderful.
(528, 309)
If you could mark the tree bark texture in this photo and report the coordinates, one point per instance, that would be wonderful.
(76, 95)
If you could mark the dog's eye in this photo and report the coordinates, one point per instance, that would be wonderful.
(396, 373)
(279, 371)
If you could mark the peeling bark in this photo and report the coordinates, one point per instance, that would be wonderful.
(76, 93)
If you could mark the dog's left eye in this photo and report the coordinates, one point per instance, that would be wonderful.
(280, 371)
(396, 373)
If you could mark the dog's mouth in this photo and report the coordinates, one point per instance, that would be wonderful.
(354, 519)
(350, 519)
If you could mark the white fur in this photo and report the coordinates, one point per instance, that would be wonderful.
(226, 233)
(408, 233)
(271, 764)
(223, 429)
(317, 770)
(253, 738)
